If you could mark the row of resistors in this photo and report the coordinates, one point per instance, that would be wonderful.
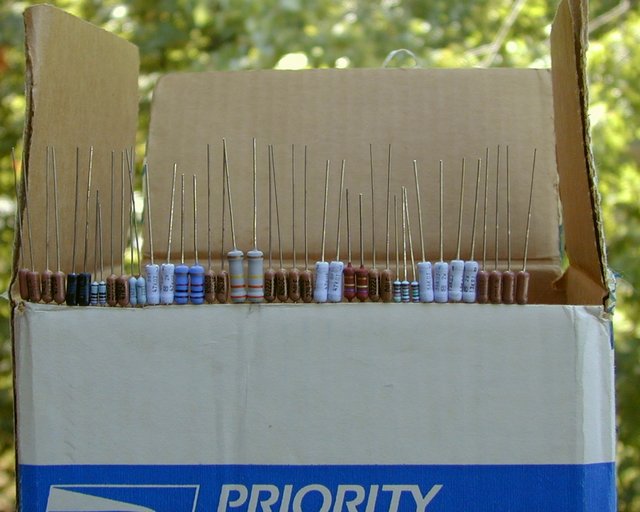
(410, 278)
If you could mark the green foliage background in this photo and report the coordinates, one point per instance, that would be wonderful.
(194, 35)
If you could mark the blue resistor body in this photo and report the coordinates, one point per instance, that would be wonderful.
(196, 284)
(397, 291)
(181, 295)
(141, 291)
(133, 293)
(93, 295)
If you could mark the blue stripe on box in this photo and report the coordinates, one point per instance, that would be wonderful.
(348, 488)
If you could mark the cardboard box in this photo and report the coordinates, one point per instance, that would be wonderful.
(310, 407)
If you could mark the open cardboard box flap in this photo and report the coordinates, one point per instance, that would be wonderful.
(427, 115)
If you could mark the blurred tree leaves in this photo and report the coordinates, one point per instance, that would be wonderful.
(197, 35)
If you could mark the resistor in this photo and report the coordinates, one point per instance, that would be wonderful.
(122, 282)
(167, 270)
(196, 271)
(471, 266)
(281, 273)
(336, 267)
(222, 277)
(397, 284)
(508, 276)
(140, 282)
(255, 257)
(425, 269)
(405, 285)
(151, 269)
(522, 276)
(22, 270)
(293, 276)
(270, 274)
(320, 291)
(133, 280)
(456, 266)
(112, 279)
(209, 275)
(58, 277)
(362, 274)
(71, 296)
(33, 276)
(349, 273)
(46, 294)
(102, 285)
(441, 268)
(386, 276)
(306, 277)
(495, 277)
(414, 285)
(482, 279)
(93, 291)
(374, 274)
(84, 278)
(238, 292)
(182, 271)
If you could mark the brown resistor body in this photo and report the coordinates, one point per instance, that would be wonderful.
(122, 290)
(209, 286)
(374, 284)
(386, 285)
(495, 287)
(522, 287)
(222, 287)
(362, 284)
(46, 293)
(281, 285)
(33, 285)
(293, 284)
(508, 287)
(57, 287)
(270, 285)
(349, 274)
(22, 282)
(306, 286)
(112, 299)
(482, 287)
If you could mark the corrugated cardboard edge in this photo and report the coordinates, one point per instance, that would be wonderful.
(587, 279)
(42, 23)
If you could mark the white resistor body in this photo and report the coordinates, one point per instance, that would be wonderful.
(405, 291)
(469, 281)
(141, 291)
(238, 293)
(255, 277)
(425, 279)
(336, 270)
(167, 282)
(102, 293)
(456, 272)
(133, 293)
(321, 289)
(153, 283)
(93, 294)
(441, 282)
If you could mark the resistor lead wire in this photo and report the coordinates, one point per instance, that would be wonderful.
(93, 294)
(374, 274)
(167, 270)
(255, 257)
(456, 266)
(405, 285)
(471, 266)
(425, 269)
(320, 291)
(122, 283)
(222, 277)
(482, 279)
(441, 268)
(102, 284)
(336, 267)
(508, 276)
(71, 297)
(306, 277)
(238, 292)
(58, 277)
(33, 276)
(522, 277)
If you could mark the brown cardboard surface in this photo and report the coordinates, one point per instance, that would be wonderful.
(425, 115)
(82, 91)
(580, 201)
